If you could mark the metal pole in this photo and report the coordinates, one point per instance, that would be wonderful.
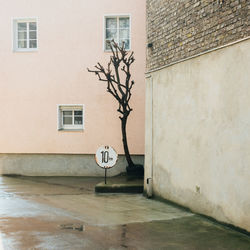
(105, 175)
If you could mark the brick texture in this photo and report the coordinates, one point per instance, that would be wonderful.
(179, 29)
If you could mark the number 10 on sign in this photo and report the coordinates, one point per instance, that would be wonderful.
(106, 158)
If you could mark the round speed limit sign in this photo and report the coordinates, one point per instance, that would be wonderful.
(106, 157)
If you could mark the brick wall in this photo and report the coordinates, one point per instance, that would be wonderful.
(179, 29)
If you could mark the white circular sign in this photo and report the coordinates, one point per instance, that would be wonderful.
(106, 157)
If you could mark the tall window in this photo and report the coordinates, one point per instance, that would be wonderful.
(25, 34)
(70, 117)
(118, 29)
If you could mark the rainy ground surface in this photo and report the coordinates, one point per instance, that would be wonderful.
(65, 213)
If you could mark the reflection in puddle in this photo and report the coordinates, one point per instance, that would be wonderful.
(123, 238)
(1, 243)
(5, 195)
(7, 243)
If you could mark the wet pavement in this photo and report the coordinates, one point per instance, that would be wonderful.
(65, 213)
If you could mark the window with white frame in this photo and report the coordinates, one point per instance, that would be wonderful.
(25, 34)
(70, 117)
(117, 28)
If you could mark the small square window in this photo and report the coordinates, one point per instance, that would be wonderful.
(117, 28)
(70, 117)
(25, 35)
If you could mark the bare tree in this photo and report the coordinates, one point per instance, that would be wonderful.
(120, 61)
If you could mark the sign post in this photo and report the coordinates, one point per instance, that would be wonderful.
(106, 158)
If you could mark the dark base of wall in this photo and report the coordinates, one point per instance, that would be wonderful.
(238, 229)
(59, 165)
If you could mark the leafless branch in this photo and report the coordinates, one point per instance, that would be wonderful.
(120, 62)
(118, 85)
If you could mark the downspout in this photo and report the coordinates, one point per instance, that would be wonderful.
(149, 180)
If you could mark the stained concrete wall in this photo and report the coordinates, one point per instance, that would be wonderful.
(198, 133)
(59, 165)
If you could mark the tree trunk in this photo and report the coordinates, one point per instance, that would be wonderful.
(125, 143)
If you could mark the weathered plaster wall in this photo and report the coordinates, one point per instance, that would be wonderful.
(59, 165)
(198, 138)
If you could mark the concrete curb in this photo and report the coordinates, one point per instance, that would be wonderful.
(119, 188)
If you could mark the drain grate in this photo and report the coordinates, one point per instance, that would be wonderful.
(77, 227)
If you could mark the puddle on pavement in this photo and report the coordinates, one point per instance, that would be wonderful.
(54, 222)
(6, 195)
(187, 233)
(78, 227)
(16, 207)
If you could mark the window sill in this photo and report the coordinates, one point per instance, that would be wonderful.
(110, 51)
(25, 50)
(71, 130)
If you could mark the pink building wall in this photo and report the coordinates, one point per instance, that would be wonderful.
(70, 39)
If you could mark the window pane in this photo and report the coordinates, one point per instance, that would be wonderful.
(67, 120)
(22, 44)
(22, 35)
(124, 22)
(32, 26)
(127, 43)
(111, 33)
(33, 44)
(22, 26)
(111, 23)
(67, 113)
(124, 34)
(107, 45)
(78, 112)
(32, 34)
(78, 119)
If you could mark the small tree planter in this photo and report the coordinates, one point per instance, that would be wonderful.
(135, 172)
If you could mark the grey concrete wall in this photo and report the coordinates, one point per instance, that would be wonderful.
(198, 134)
(59, 165)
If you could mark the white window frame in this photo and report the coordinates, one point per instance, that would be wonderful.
(69, 107)
(15, 21)
(104, 29)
